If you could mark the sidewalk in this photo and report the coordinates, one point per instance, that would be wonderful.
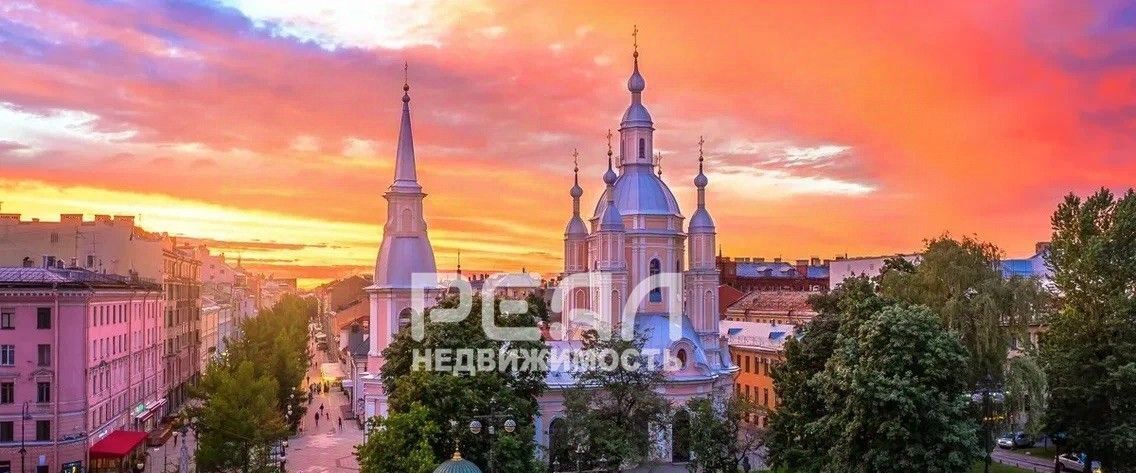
(324, 447)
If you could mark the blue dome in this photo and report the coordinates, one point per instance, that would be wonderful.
(457, 465)
(701, 222)
(576, 227)
(635, 83)
(636, 116)
(640, 192)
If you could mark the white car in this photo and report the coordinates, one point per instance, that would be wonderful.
(1072, 463)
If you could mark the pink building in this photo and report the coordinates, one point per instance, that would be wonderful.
(81, 354)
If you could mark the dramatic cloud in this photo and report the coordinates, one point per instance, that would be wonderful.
(261, 121)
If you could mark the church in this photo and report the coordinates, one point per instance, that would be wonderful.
(636, 231)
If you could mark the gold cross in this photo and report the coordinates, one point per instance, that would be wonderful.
(576, 159)
(700, 142)
(635, 36)
(609, 141)
(659, 161)
(405, 73)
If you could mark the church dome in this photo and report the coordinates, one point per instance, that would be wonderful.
(640, 192)
(457, 465)
(576, 227)
(400, 257)
(636, 116)
(701, 221)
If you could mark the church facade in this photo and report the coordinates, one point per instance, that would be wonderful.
(636, 231)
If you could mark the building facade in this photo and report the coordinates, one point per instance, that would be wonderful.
(756, 347)
(81, 355)
(757, 274)
(182, 320)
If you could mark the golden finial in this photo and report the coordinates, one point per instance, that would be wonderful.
(575, 160)
(609, 143)
(405, 76)
(635, 39)
(659, 161)
(700, 143)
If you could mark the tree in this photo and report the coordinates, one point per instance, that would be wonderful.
(961, 281)
(238, 422)
(894, 397)
(1089, 352)
(1026, 392)
(718, 437)
(793, 439)
(462, 396)
(399, 442)
(611, 411)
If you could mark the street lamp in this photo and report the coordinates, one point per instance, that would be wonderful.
(475, 426)
(580, 450)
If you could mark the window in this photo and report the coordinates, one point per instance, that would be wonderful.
(43, 317)
(43, 391)
(90, 261)
(6, 319)
(656, 292)
(43, 430)
(44, 352)
(765, 396)
(7, 393)
(7, 431)
(7, 355)
(642, 148)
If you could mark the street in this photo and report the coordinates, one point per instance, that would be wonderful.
(324, 446)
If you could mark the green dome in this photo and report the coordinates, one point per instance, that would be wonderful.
(457, 465)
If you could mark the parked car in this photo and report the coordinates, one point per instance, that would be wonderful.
(1070, 462)
(1014, 440)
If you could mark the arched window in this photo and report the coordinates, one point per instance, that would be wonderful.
(681, 355)
(404, 318)
(656, 292)
(642, 148)
(559, 450)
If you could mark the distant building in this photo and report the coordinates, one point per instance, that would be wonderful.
(757, 274)
(83, 351)
(843, 268)
(773, 307)
(756, 347)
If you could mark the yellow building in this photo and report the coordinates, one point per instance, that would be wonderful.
(755, 347)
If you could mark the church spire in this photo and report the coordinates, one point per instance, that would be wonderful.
(576, 224)
(405, 174)
(611, 220)
(701, 221)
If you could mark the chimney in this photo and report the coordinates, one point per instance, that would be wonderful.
(777, 259)
(759, 260)
(102, 218)
(14, 218)
(816, 261)
(802, 267)
(1041, 247)
(127, 220)
(71, 218)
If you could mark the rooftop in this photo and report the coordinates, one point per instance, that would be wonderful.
(12, 277)
(787, 302)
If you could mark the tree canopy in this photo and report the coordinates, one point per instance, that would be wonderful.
(1089, 351)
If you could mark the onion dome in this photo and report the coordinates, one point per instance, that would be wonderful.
(701, 222)
(576, 225)
(457, 465)
(611, 220)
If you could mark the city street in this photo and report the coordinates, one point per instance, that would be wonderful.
(166, 457)
(324, 447)
(1021, 460)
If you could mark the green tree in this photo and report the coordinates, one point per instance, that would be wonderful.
(610, 411)
(895, 397)
(718, 437)
(1089, 352)
(961, 281)
(238, 422)
(460, 396)
(1026, 392)
(793, 438)
(399, 442)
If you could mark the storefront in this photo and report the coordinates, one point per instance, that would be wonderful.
(146, 414)
(120, 452)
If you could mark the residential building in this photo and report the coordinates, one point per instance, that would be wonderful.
(756, 347)
(773, 307)
(757, 274)
(843, 268)
(182, 319)
(82, 353)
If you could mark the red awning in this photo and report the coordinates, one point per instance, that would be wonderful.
(118, 444)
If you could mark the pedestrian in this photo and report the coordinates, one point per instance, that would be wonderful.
(321, 407)
(317, 419)
(341, 422)
(327, 415)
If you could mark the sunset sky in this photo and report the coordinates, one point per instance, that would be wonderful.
(269, 127)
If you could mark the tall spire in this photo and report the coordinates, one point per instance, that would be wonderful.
(405, 175)
(576, 224)
(459, 263)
